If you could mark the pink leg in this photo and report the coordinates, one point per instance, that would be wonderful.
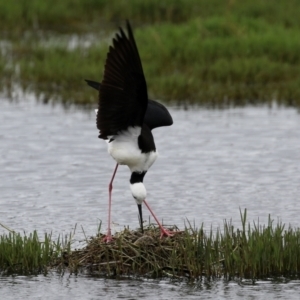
(108, 237)
(163, 231)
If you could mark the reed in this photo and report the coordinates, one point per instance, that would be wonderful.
(253, 251)
(257, 251)
(27, 254)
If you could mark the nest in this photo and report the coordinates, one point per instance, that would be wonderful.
(258, 252)
(131, 253)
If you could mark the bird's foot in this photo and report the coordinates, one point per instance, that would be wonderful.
(108, 238)
(165, 232)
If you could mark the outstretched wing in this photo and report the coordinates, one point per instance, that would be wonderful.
(156, 114)
(123, 95)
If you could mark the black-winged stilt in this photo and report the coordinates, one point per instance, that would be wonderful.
(125, 118)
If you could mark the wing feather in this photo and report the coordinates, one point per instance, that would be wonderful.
(123, 97)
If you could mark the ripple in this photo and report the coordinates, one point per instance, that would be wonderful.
(54, 173)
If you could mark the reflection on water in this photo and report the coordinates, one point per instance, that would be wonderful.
(54, 173)
(84, 287)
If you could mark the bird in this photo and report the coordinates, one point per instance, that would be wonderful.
(126, 117)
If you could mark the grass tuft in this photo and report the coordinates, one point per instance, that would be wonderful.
(254, 252)
(27, 254)
(250, 252)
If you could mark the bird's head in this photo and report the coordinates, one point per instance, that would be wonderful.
(139, 192)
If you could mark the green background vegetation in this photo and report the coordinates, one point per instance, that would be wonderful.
(214, 53)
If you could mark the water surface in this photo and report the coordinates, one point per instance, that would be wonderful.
(54, 173)
(84, 287)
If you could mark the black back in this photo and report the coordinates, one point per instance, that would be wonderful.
(146, 140)
(123, 95)
(157, 115)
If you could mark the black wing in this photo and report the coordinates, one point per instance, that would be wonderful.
(156, 115)
(123, 95)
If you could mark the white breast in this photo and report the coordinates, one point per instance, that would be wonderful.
(124, 149)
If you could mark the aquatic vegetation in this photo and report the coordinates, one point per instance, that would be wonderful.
(212, 53)
(27, 254)
(251, 252)
(254, 251)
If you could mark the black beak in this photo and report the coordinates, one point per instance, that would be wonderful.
(141, 216)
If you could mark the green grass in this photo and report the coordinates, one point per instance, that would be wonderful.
(213, 53)
(22, 254)
(24, 15)
(250, 252)
(223, 60)
(253, 251)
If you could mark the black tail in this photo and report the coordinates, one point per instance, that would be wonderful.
(93, 84)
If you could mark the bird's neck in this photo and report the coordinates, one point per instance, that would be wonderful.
(137, 177)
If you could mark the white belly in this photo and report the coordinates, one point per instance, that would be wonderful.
(124, 149)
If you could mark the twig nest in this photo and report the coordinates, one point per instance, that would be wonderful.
(144, 240)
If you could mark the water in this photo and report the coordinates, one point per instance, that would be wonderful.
(54, 173)
(80, 287)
